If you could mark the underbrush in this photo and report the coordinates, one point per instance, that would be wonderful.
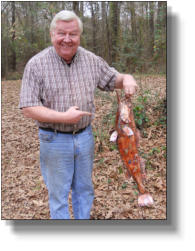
(149, 107)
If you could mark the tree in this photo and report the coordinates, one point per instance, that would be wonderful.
(114, 16)
(161, 29)
(133, 21)
(13, 31)
(131, 36)
(105, 33)
(93, 17)
(151, 29)
(76, 8)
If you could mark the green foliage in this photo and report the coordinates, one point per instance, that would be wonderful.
(113, 147)
(124, 185)
(161, 108)
(129, 52)
(120, 170)
(149, 165)
(154, 150)
(141, 118)
(108, 120)
(109, 181)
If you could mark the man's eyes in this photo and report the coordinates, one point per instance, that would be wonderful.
(71, 34)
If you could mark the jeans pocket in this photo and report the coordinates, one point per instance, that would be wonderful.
(89, 130)
(90, 137)
(46, 137)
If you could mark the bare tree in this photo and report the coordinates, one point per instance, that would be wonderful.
(13, 49)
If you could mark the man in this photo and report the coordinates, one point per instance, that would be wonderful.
(58, 92)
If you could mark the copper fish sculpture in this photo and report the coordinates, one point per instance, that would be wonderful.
(127, 137)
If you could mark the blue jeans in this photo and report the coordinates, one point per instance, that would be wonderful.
(66, 163)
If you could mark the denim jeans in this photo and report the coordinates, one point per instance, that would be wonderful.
(66, 164)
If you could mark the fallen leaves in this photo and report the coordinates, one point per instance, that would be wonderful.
(24, 195)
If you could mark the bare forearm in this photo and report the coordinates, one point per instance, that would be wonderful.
(44, 114)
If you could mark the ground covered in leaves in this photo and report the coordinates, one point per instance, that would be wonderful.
(24, 195)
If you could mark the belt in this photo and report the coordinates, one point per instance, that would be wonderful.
(54, 130)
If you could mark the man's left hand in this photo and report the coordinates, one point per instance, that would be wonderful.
(128, 83)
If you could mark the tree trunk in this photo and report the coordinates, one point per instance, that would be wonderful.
(13, 53)
(104, 32)
(114, 27)
(31, 12)
(151, 28)
(161, 15)
(133, 21)
(76, 7)
(161, 32)
(94, 28)
(108, 34)
(81, 9)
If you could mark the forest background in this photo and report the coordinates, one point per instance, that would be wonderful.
(130, 36)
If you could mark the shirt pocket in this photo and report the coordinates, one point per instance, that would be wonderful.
(88, 101)
(56, 98)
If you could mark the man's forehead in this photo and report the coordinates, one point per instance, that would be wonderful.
(67, 23)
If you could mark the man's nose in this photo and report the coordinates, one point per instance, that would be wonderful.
(67, 38)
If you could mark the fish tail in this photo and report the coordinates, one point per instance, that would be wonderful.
(138, 179)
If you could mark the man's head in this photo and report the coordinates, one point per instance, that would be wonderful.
(65, 30)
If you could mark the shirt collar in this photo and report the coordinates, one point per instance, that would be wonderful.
(74, 59)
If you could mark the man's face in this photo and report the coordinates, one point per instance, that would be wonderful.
(66, 39)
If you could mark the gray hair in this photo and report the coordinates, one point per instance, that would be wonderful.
(66, 15)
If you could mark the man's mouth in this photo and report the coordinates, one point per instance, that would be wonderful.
(66, 46)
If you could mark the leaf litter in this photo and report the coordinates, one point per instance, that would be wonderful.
(24, 195)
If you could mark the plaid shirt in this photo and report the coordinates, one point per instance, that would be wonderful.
(48, 81)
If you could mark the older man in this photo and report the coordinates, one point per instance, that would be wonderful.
(58, 92)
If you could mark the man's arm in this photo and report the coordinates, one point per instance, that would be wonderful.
(126, 82)
(44, 114)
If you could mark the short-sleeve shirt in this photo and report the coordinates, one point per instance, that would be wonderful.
(50, 82)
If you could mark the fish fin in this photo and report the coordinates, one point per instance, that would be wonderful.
(145, 200)
(127, 130)
(127, 174)
(114, 136)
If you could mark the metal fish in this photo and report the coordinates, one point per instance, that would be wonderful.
(128, 141)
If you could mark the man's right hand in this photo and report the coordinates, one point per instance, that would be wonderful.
(73, 115)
